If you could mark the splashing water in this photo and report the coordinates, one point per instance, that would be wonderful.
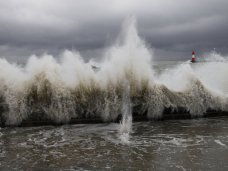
(61, 90)
(125, 126)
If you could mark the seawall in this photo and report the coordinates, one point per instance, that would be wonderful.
(38, 119)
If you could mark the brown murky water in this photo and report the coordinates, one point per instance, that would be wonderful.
(198, 144)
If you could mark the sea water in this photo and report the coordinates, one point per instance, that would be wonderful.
(197, 144)
(65, 87)
(127, 76)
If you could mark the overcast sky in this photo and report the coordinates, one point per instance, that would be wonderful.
(172, 27)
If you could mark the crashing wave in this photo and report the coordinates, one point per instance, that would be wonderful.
(70, 88)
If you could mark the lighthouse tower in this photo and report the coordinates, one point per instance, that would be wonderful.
(193, 57)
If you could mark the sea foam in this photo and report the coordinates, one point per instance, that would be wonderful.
(60, 90)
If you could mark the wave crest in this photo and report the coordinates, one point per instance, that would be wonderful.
(61, 90)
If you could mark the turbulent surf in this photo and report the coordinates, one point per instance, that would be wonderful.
(68, 87)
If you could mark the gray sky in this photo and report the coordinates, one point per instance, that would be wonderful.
(172, 27)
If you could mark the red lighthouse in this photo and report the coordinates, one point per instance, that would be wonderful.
(193, 57)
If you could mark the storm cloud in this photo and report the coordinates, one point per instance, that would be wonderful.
(171, 27)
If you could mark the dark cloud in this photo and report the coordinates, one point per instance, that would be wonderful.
(172, 27)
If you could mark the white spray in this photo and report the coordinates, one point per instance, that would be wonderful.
(125, 126)
(60, 90)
